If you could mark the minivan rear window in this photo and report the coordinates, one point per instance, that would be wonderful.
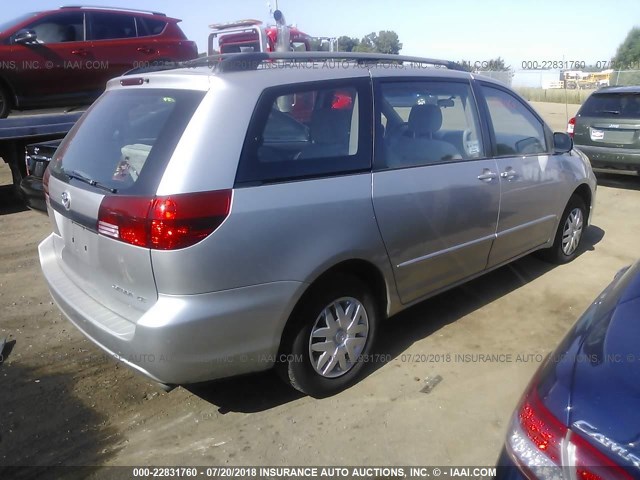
(125, 140)
(620, 105)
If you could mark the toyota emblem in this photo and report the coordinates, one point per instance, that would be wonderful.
(66, 200)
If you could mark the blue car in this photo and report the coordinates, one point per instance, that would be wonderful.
(579, 417)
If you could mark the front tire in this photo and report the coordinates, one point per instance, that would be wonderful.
(569, 234)
(329, 337)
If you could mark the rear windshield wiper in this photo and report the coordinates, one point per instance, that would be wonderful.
(613, 112)
(88, 180)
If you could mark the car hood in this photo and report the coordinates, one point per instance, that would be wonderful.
(605, 391)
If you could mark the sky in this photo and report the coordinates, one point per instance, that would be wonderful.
(473, 30)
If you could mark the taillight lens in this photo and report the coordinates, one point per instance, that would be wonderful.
(163, 223)
(544, 447)
(541, 428)
(571, 126)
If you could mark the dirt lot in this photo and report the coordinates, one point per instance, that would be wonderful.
(62, 402)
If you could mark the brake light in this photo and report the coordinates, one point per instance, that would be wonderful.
(542, 429)
(129, 82)
(538, 442)
(163, 223)
(571, 126)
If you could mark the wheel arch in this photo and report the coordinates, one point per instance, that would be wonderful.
(583, 191)
(365, 271)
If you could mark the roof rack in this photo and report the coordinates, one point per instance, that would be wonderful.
(251, 61)
(119, 9)
(237, 62)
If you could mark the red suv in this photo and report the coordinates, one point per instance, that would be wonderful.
(64, 57)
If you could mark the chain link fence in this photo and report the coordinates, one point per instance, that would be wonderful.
(550, 86)
(551, 79)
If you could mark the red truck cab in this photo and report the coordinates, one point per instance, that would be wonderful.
(251, 36)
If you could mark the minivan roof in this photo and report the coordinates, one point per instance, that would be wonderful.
(292, 67)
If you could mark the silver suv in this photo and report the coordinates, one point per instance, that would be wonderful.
(270, 210)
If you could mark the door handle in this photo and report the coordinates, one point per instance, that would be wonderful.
(487, 175)
(509, 173)
(146, 50)
(81, 52)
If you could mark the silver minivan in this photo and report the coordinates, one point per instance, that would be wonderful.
(261, 210)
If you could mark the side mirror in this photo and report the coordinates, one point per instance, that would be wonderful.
(25, 36)
(562, 143)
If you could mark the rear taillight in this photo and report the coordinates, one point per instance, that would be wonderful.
(544, 447)
(541, 428)
(571, 126)
(163, 223)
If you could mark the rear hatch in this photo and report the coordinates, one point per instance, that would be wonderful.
(115, 156)
(609, 119)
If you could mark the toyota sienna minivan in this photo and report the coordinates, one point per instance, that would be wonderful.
(261, 210)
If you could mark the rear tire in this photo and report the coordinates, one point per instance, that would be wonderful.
(569, 234)
(16, 176)
(329, 337)
(5, 102)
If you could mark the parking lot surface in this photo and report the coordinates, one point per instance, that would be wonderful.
(63, 402)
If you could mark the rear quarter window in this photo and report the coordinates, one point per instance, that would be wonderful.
(303, 131)
(126, 139)
(149, 26)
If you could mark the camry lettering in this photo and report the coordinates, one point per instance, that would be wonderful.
(606, 442)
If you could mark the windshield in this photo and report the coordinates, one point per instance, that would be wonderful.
(7, 25)
(618, 105)
(125, 140)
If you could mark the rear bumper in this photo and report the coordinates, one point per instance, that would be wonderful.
(607, 157)
(33, 193)
(182, 339)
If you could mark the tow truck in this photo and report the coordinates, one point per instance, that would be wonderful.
(251, 35)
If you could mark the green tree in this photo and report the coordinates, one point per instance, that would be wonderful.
(367, 44)
(347, 44)
(495, 65)
(628, 52)
(387, 41)
(466, 64)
